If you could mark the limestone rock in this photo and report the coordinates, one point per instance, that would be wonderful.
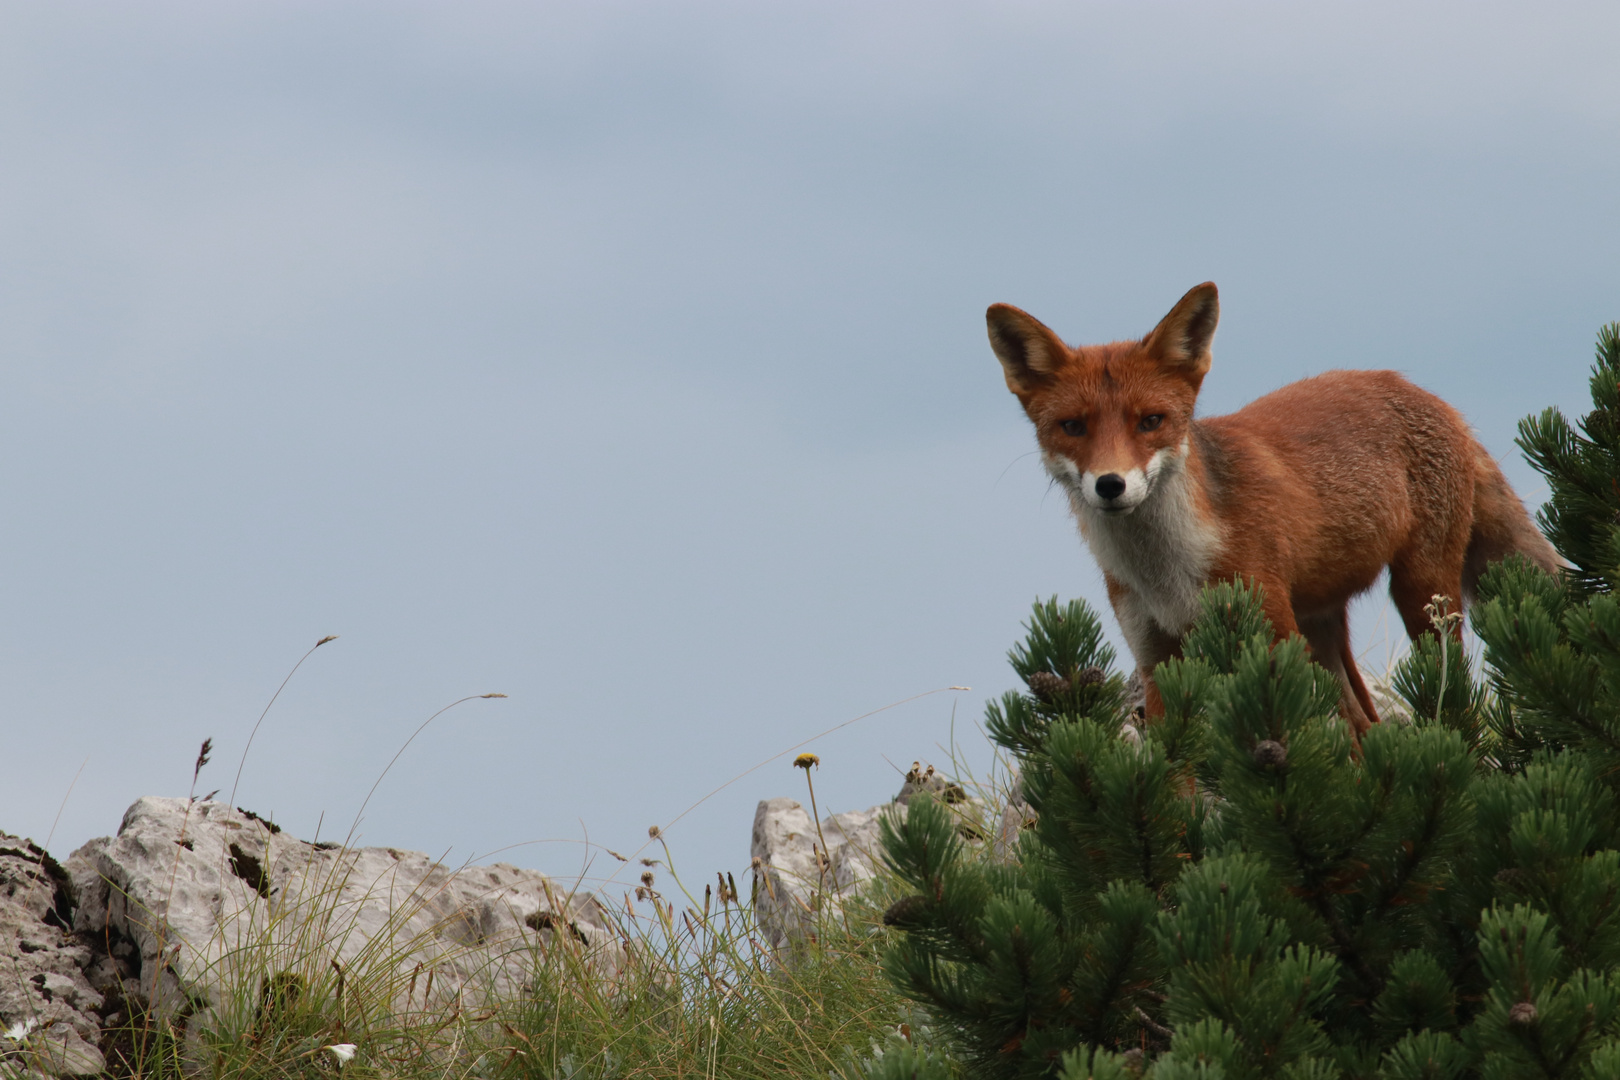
(924, 779)
(795, 879)
(43, 988)
(1016, 816)
(197, 904)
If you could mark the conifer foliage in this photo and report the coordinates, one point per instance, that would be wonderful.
(1239, 890)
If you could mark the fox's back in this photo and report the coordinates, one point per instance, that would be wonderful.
(1343, 470)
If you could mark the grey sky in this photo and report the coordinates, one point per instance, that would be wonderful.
(629, 359)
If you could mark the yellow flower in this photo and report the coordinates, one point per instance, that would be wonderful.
(804, 761)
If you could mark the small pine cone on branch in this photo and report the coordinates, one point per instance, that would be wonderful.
(1269, 753)
(1047, 685)
(1091, 676)
(906, 911)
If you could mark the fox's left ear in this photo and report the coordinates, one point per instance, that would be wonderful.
(1183, 337)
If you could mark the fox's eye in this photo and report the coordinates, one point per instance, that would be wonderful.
(1148, 423)
(1074, 427)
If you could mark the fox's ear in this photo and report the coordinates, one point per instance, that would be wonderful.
(1030, 354)
(1182, 337)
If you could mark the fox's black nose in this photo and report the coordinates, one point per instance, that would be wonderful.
(1110, 486)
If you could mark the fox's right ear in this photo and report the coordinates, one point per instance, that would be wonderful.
(1030, 354)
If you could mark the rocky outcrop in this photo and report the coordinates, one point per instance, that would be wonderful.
(794, 876)
(799, 873)
(197, 913)
(47, 1006)
(195, 904)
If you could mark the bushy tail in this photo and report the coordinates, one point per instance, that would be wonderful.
(1501, 526)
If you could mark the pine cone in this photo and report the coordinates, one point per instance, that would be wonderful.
(1270, 754)
(1091, 676)
(1523, 1012)
(906, 911)
(1047, 685)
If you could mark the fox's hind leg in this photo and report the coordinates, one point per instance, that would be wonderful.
(1329, 639)
(1432, 561)
(1414, 587)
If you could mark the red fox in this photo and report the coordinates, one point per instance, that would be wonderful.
(1310, 491)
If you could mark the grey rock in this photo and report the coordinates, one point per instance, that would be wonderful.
(197, 904)
(924, 779)
(1016, 816)
(797, 879)
(43, 986)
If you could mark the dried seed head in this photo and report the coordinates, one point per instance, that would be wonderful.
(728, 893)
(804, 761)
(1441, 617)
(324, 640)
(1523, 1012)
(1270, 754)
(647, 878)
(1047, 685)
(757, 864)
(654, 831)
(491, 695)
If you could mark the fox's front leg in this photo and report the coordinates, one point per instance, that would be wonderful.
(1278, 606)
(1327, 640)
(1151, 644)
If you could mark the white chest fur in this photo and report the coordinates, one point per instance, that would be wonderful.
(1162, 551)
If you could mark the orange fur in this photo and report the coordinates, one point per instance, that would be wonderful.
(1311, 491)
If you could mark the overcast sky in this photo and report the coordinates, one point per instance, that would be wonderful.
(629, 359)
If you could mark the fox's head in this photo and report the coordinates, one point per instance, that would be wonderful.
(1112, 420)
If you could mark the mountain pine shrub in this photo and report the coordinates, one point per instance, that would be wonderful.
(1239, 891)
